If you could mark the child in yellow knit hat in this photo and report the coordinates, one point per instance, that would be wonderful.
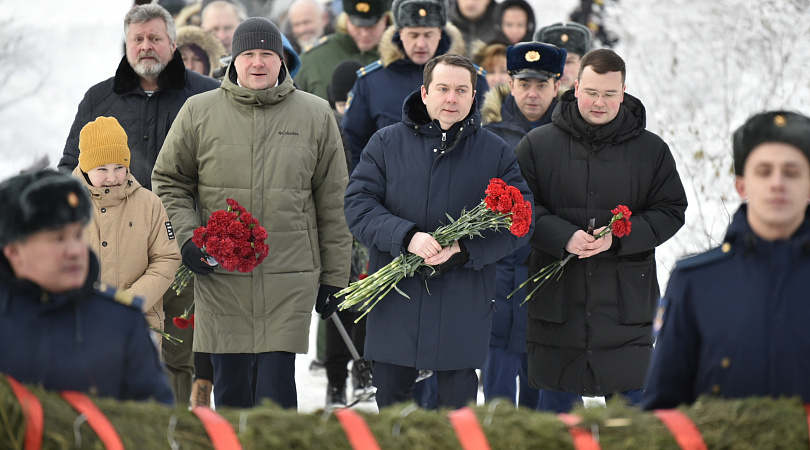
(130, 231)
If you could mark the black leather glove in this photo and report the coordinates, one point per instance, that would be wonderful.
(194, 259)
(325, 303)
(457, 259)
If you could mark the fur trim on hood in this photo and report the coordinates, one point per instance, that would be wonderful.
(191, 34)
(390, 51)
(493, 101)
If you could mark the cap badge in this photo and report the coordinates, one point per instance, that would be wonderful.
(564, 38)
(422, 12)
(779, 120)
(73, 199)
(363, 7)
(532, 56)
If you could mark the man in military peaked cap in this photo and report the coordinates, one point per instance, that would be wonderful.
(746, 336)
(511, 111)
(573, 37)
(359, 30)
(49, 306)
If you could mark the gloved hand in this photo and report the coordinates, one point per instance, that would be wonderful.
(426, 272)
(325, 303)
(194, 259)
(457, 259)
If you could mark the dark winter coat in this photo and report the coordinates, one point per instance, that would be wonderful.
(481, 31)
(83, 340)
(509, 318)
(376, 98)
(404, 181)
(735, 321)
(145, 119)
(590, 332)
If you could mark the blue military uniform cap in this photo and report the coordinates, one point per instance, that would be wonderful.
(535, 60)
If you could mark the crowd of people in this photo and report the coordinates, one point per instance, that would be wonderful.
(351, 134)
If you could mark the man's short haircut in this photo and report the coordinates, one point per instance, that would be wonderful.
(150, 11)
(602, 61)
(449, 60)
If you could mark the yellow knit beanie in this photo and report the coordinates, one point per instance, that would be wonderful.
(103, 141)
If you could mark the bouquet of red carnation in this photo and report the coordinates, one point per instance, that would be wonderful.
(502, 207)
(619, 226)
(233, 238)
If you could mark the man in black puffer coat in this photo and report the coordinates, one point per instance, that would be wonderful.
(589, 333)
(148, 89)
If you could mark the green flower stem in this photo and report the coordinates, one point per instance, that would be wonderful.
(556, 268)
(370, 290)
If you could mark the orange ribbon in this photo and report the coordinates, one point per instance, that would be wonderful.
(32, 410)
(684, 431)
(219, 430)
(95, 418)
(469, 431)
(583, 440)
(357, 430)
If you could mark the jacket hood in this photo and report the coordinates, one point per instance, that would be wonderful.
(295, 60)
(263, 97)
(740, 234)
(628, 123)
(493, 102)
(214, 49)
(172, 77)
(522, 4)
(391, 46)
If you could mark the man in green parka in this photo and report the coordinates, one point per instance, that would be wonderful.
(278, 152)
(359, 30)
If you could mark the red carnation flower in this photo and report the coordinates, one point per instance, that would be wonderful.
(181, 322)
(623, 210)
(621, 228)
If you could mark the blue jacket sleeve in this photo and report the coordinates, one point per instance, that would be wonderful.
(357, 124)
(671, 377)
(366, 215)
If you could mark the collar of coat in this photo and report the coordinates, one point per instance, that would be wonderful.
(740, 235)
(261, 97)
(391, 46)
(112, 194)
(30, 289)
(628, 123)
(415, 115)
(172, 77)
(500, 106)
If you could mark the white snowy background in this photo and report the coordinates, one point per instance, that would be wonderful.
(700, 67)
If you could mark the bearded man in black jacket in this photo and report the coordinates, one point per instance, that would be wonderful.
(590, 332)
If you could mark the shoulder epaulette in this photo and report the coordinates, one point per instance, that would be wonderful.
(712, 256)
(317, 44)
(122, 297)
(480, 70)
(369, 68)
